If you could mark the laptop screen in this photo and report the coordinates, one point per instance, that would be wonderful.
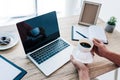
(38, 31)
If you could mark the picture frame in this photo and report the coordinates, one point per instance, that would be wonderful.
(89, 13)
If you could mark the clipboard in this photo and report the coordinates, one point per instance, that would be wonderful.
(9, 70)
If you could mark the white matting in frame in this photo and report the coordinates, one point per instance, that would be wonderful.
(89, 13)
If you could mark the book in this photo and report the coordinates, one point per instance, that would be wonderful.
(9, 70)
(90, 32)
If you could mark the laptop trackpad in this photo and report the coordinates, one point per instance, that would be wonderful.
(55, 62)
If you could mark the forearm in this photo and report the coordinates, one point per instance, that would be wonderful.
(114, 57)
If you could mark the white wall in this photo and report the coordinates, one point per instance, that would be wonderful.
(109, 8)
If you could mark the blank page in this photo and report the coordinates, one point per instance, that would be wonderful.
(82, 29)
(7, 71)
(98, 33)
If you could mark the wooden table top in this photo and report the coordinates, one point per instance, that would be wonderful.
(67, 72)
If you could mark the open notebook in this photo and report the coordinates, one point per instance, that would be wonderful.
(90, 32)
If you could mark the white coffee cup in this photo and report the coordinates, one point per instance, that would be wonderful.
(83, 51)
(85, 45)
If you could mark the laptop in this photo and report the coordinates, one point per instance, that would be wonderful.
(42, 42)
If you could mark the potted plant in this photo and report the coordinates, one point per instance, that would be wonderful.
(111, 24)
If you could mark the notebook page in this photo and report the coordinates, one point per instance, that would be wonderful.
(7, 71)
(82, 29)
(98, 33)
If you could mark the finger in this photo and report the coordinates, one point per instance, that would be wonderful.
(96, 43)
(96, 40)
(75, 62)
(92, 52)
(71, 57)
(93, 49)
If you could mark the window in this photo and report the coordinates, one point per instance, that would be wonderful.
(17, 8)
(62, 7)
(22, 9)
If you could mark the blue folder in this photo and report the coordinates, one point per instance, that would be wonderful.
(22, 71)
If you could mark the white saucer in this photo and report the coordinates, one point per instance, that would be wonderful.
(13, 40)
(84, 57)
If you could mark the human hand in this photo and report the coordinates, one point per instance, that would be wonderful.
(99, 48)
(82, 69)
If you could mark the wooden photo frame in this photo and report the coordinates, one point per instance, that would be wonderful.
(89, 13)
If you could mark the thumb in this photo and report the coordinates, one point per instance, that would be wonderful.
(71, 58)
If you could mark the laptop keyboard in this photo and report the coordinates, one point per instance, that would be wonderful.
(49, 51)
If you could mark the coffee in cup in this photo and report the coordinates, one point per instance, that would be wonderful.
(85, 45)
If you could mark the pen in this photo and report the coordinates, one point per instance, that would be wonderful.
(81, 34)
